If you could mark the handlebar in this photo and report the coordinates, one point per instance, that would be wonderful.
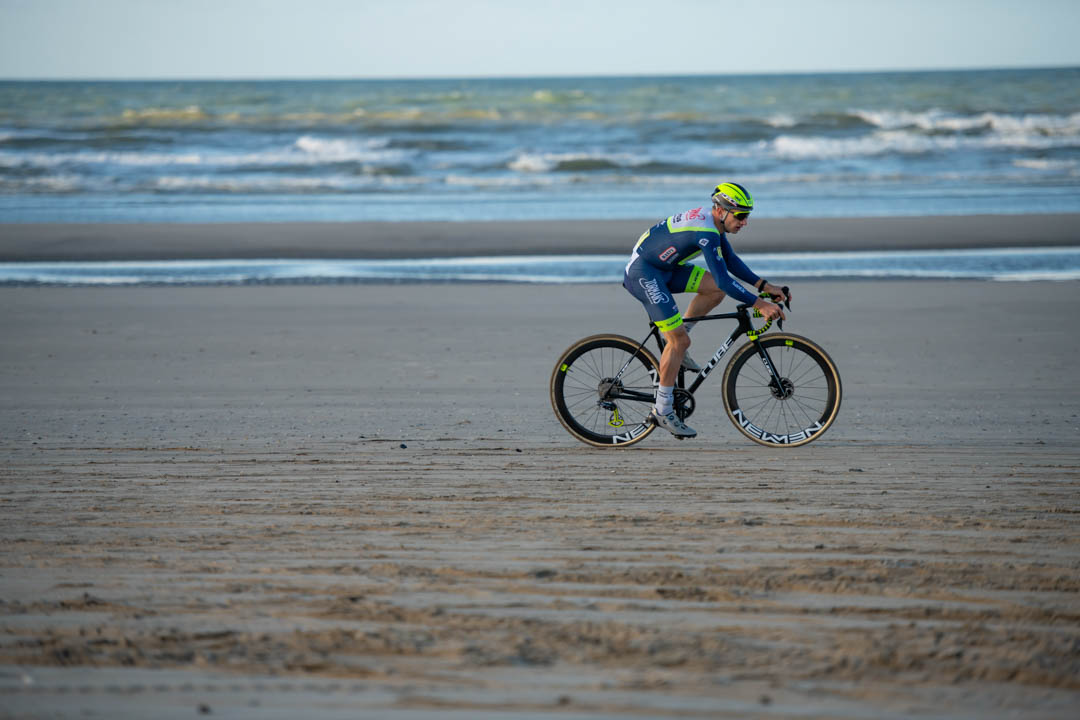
(757, 313)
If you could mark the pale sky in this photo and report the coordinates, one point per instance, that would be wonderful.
(84, 39)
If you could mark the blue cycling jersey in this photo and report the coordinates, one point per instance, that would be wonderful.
(670, 243)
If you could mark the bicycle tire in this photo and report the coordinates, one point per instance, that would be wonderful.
(802, 410)
(582, 401)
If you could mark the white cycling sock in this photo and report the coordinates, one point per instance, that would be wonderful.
(665, 399)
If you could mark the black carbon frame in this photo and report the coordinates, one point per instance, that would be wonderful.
(743, 326)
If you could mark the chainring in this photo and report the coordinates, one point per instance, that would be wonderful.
(684, 403)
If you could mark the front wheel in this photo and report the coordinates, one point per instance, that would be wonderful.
(792, 412)
(603, 389)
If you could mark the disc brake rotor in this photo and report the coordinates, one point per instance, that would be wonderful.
(788, 389)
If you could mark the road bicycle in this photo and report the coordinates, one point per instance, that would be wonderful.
(603, 387)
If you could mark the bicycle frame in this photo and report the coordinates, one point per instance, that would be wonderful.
(743, 326)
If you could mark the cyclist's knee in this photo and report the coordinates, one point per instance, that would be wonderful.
(709, 289)
(714, 294)
(679, 338)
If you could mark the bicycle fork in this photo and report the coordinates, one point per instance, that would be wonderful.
(781, 387)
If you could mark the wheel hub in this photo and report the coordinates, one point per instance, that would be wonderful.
(605, 390)
(782, 394)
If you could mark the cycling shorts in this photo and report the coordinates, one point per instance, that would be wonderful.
(655, 289)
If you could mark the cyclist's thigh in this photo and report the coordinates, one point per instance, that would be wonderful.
(691, 279)
(650, 285)
(698, 280)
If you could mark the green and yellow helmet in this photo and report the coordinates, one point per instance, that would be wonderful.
(732, 196)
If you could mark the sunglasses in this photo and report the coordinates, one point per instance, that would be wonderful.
(741, 215)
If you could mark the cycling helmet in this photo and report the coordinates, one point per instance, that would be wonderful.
(733, 197)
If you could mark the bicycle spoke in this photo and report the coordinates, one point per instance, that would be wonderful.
(588, 374)
(808, 412)
(596, 365)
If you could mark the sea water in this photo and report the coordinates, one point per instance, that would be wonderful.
(841, 145)
(1008, 264)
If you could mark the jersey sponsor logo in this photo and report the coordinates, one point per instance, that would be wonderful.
(703, 242)
(688, 216)
(653, 291)
(667, 253)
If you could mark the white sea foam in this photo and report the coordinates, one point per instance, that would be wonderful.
(882, 142)
(307, 150)
(344, 150)
(178, 183)
(887, 141)
(39, 159)
(1013, 264)
(44, 184)
(532, 163)
(940, 120)
(1053, 275)
(782, 120)
(546, 162)
(275, 184)
(1045, 164)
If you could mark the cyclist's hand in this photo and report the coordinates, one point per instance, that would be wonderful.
(771, 311)
(778, 294)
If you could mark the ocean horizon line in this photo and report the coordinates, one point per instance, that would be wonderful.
(525, 76)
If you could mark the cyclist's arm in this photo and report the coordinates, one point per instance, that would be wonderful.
(737, 267)
(741, 271)
(724, 281)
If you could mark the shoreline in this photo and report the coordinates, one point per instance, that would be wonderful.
(21, 242)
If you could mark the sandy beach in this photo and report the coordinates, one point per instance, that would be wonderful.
(355, 500)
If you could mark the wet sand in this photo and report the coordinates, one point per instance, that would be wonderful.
(51, 242)
(355, 501)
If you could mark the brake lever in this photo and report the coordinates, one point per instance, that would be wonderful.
(787, 297)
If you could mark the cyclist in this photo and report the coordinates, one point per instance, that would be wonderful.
(658, 268)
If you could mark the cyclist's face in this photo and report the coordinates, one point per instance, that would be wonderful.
(730, 223)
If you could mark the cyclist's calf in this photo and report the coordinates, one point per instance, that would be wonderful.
(676, 343)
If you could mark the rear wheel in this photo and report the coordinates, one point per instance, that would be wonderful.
(792, 412)
(603, 389)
